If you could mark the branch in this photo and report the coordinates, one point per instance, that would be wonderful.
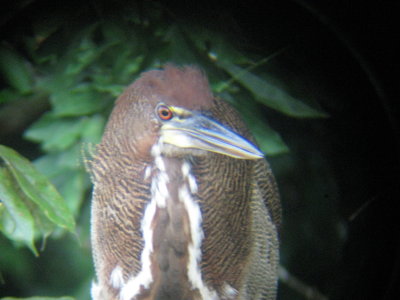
(299, 286)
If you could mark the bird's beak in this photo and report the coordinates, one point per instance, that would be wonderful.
(200, 132)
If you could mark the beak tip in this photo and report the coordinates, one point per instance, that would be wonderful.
(259, 155)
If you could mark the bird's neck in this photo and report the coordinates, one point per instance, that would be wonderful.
(172, 234)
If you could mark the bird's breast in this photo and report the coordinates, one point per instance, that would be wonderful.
(172, 236)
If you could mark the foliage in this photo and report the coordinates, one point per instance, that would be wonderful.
(32, 204)
(80, 66)
(38, 298)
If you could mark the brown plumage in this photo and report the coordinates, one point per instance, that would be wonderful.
(176, 214)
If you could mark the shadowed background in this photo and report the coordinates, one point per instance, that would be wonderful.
(315, 82)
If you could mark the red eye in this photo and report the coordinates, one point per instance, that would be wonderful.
(164, 113)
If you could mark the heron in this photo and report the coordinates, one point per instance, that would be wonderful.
(184, 204)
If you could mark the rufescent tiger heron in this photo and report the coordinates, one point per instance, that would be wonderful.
(184, 205)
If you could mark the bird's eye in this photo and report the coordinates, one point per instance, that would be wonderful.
(164, 112)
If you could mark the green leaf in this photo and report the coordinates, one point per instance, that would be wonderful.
(55, 134)
(15, 71)
(178, 49)
(72, 186)
(216, 46)
(82, 56)
(65, 171)
(113, 90)
(2, 208)
(38, 189)
(39, 298)
(93, 129)
(126, 67)
(78, 101)
(16, 220)
(270, 95)
(8, 95)
(269, 141)
(54, 164)
(49, 164)
(43, 226)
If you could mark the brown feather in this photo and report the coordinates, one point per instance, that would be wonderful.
(239, 200)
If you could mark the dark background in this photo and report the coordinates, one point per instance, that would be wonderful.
(339, 184)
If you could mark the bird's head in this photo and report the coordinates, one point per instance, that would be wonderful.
(173, 108)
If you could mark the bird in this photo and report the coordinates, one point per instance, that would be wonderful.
(184, 205)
